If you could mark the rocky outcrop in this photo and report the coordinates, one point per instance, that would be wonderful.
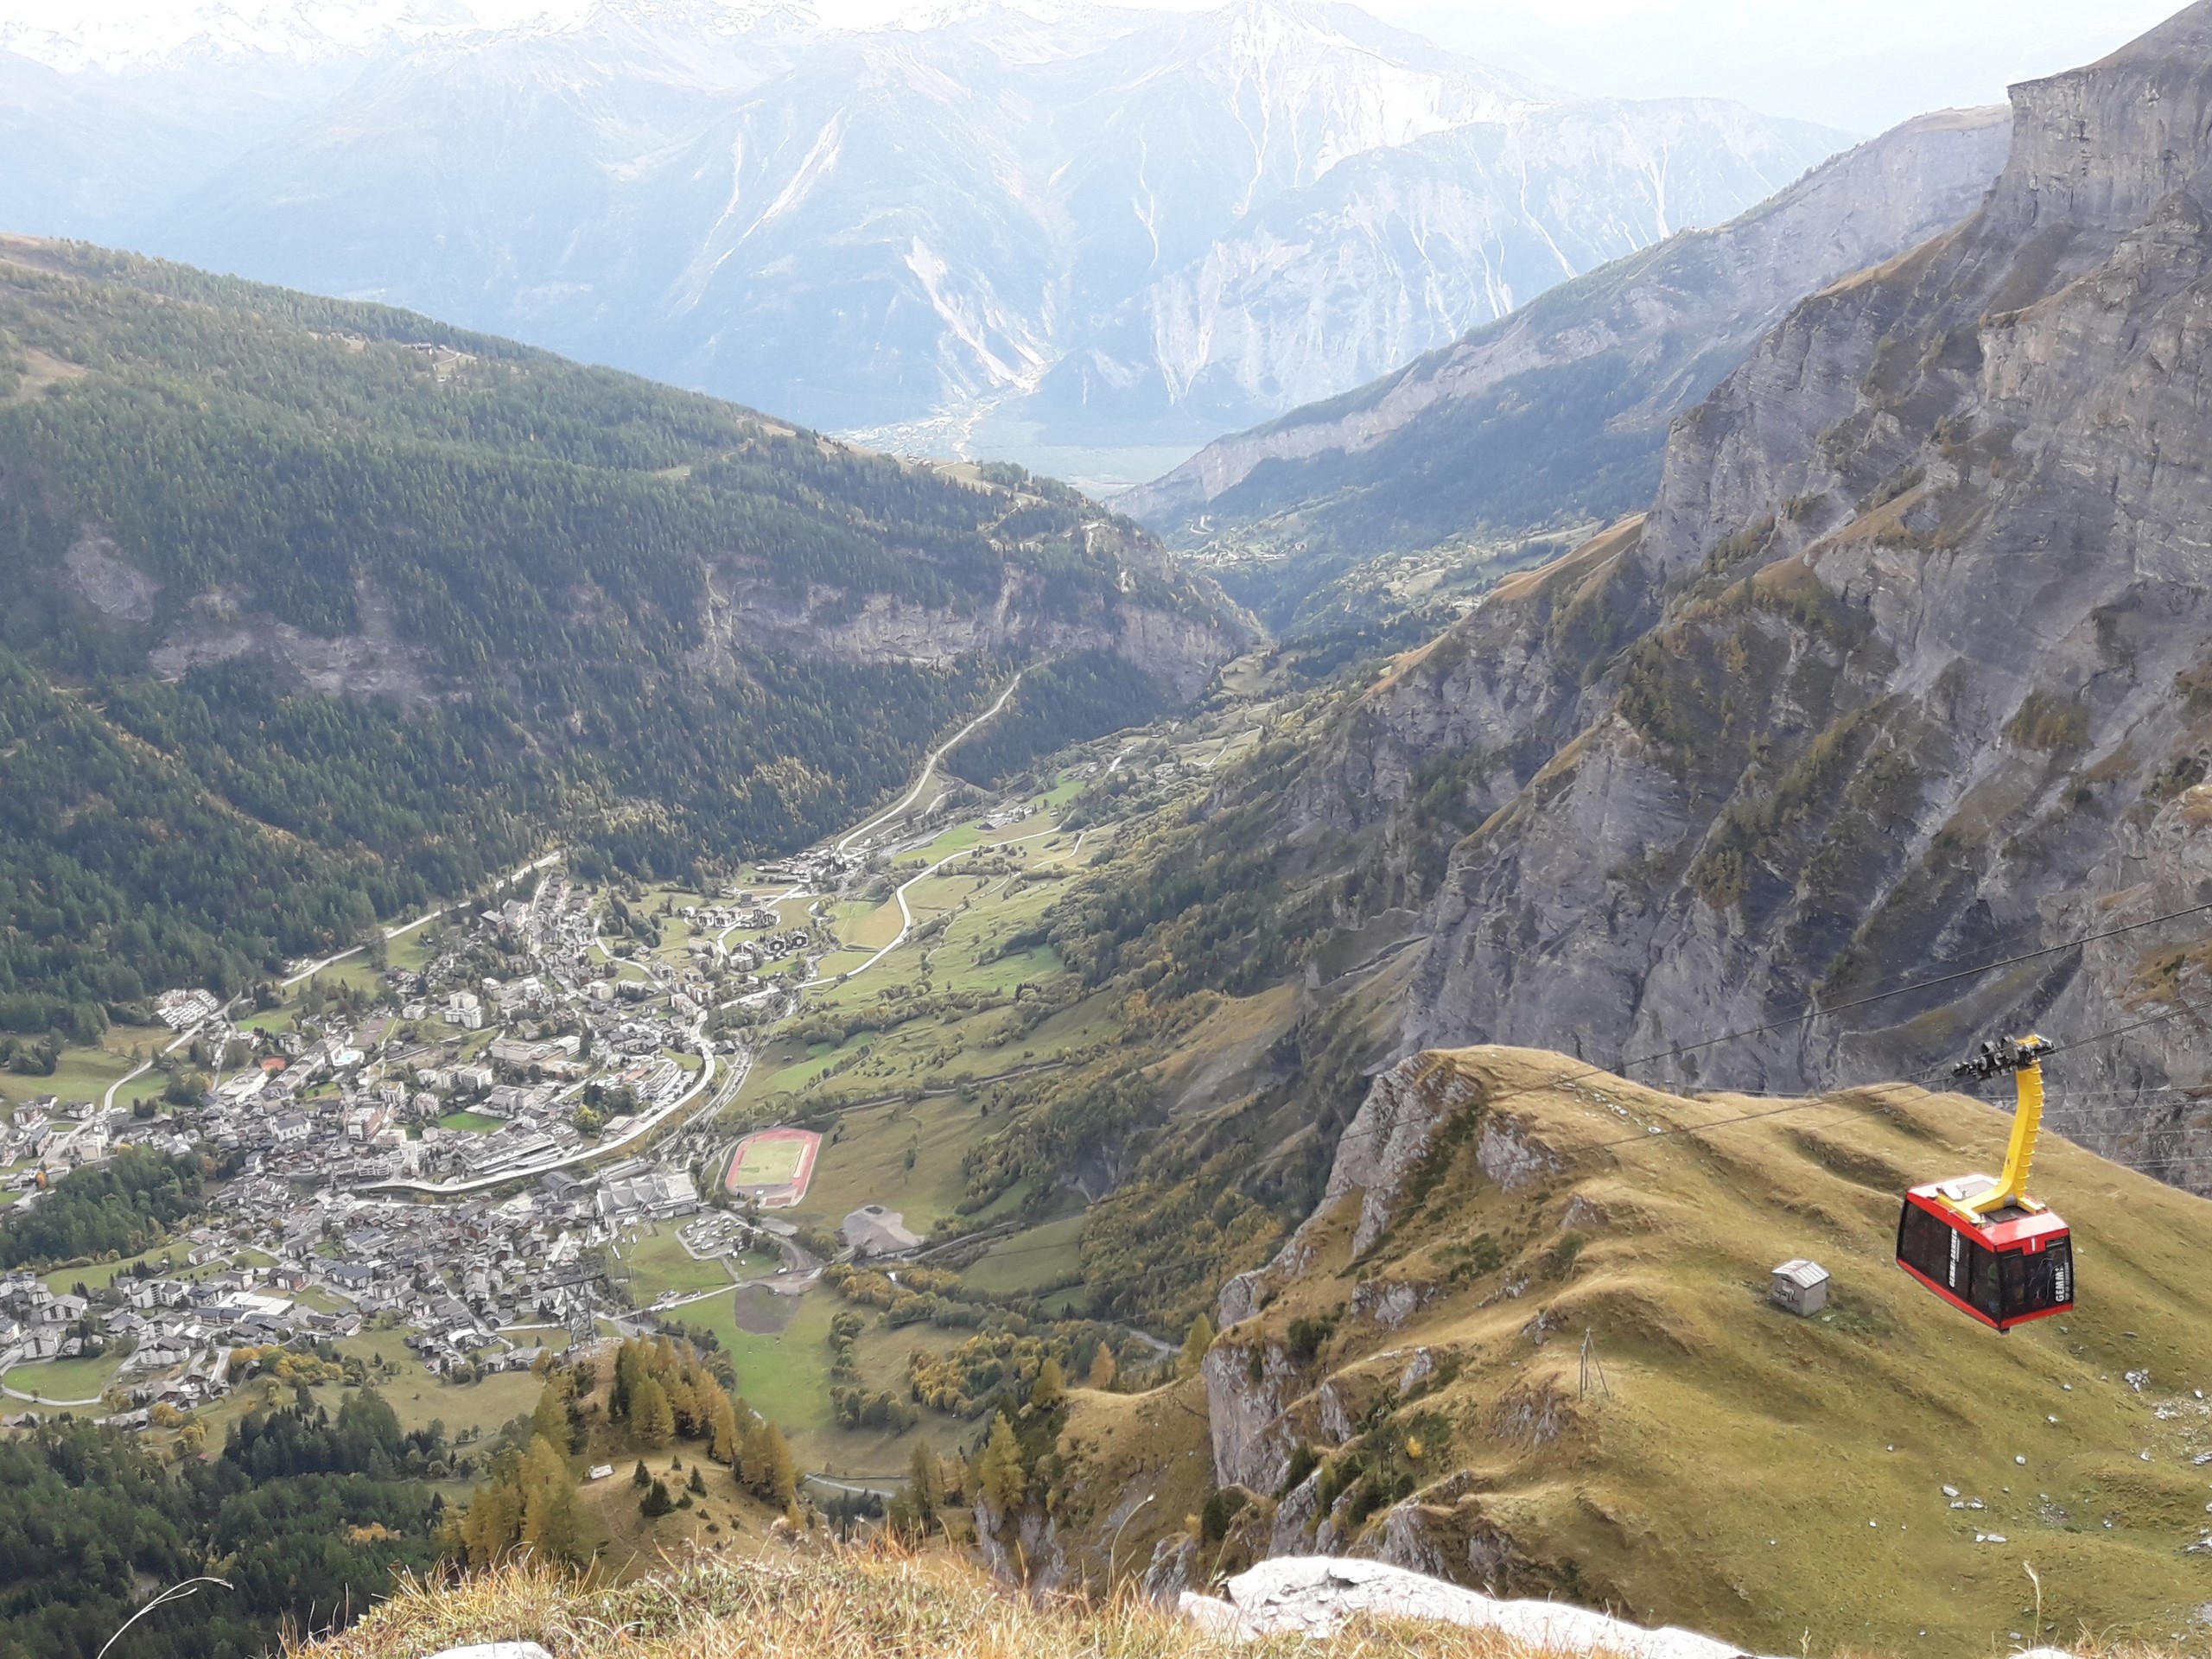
(96, 570)
(1502, 691)
(223, 627)
(1316, 1596)
(1179, 648)
(1022, 1548)
(1249, 1390)
(1657, 329)
(1261, 1400)
(1904, 671)
(1388, 1302)
(1112, 589)
(1172, 1570)
(1385, 1143)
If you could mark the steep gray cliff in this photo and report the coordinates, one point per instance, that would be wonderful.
(1906, 671)
(1400, 250)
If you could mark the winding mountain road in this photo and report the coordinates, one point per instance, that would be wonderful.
(844, 843)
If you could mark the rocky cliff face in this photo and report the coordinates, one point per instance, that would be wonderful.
(1565, 402)
(1173, 627)
(1905, 672)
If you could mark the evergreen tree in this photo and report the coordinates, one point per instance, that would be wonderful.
(1103, 1369)
(684, 1403)
(491, 1522)
(628, 1372)
(766, 1466)
(723, 1446)
(1050, 1386)
(528, 1503)
(925, 1486)
(553, 1523)
(549, 1421)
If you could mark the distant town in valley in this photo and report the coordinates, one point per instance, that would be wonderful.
(450, 1134)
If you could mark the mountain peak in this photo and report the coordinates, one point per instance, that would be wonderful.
(2102, 144)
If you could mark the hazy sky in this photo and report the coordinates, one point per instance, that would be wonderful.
(1862, 64)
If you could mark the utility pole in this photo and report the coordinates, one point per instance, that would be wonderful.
(1592, 1367)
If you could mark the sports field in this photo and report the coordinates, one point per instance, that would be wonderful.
(772, 1166)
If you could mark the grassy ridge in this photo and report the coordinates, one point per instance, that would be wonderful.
(850, 1605)
(1739, 1470)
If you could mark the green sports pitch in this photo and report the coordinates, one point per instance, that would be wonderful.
(772, 1166)
(767, 1163)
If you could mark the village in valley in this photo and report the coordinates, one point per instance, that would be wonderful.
(557, 1114)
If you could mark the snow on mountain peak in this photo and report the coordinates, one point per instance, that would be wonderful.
(130, 34)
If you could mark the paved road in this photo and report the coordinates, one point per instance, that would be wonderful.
(929, 767)
(140, 1070)
(428, 916)
(41, 1400)
(478, 1184)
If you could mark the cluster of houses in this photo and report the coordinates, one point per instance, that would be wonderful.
(720, 919)
(469, 1282)
(380, 1121)
(748, 955)
(176, 1331)
(48, 1139)
(821, 868)
(320, 1115)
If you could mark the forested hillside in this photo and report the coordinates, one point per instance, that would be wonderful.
(299, 1510)
(310, 611)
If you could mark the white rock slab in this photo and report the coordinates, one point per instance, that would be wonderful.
(494, 1650)
(1315, 1594)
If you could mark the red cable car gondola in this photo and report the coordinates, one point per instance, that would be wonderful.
(1983, 1245)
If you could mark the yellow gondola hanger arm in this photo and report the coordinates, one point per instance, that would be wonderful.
(2012, 1187)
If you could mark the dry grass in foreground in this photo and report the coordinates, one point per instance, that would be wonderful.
(846, 1606)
